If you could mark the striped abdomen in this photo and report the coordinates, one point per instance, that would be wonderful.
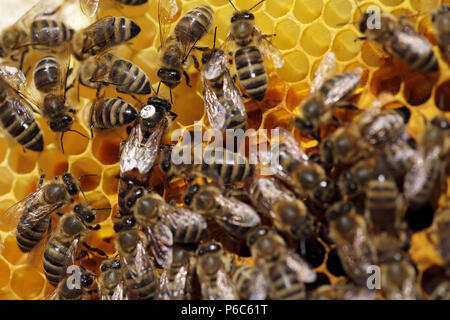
(55, 260)
(382, 204)
(112, 113)
(230, 166)
(414, 50)
(130, 188)
(194, 25)
(132, 2)
(20, 124)
(251, 71)
(284, 282)
(50, 33)
(143, 285)
(189, 232)
(340, 86)
(28, 235)
(128, 77)
(385, 127)
(243, 278)
(47, 74)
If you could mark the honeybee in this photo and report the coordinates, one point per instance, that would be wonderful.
(441, 227)
(384, 213)
(16, 115)
(433, 150)
(107, 113)
(223, 101)
(175, 282)
(61, 248)
(102, 35)
(307, 178)
(176, 49)
(289, 214)
(110, 282)
(440, 18)
(234, 216)
(328, 91)
(283, 269)
(400, 39)
(249, 282)
(107, 69)
(32, 215)
(66, 291)
(91, 7)
(34, 29)
(348, 230)
(343, 291)
(166, 224)
(399, 279)
(435, 283)
(216, 162)
(212, 271)
(130, 188)
(140, 280)
(250, 47)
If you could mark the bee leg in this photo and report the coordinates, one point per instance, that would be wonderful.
(59, 213)
(188, 80)
(360, 39)
(22, 57)
(196, 63)
(96, 250)
(97, 227)
(173, 114)
(265, 36)
(41, 180)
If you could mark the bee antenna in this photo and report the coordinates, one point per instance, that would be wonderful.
(159, 86)
(87, 175)
(171, 99)
(97, 209)
(357, 5)
(85, 198)
(83, 135)
(256, 5)
(232, 4)
(215, 34)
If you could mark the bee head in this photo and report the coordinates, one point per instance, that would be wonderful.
(62, 124)
(3, 53)
(338, 210)
(305, 126)
(441, 123)
(190, 193)
(131, 199)
(326, 152)
(242, 15)
(85, 212)
(256, 234)
(363, 22)
(165, 163)
(209, 247)
(326, 191)
(87, 279)
(170, 78)
(348, 184)
(72, 184)
(127, 223)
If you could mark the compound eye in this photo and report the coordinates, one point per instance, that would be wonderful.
(67, 120)
(88, 217)
(115, 264)
(86, 281)
(104, 268)
(213, 247)
(165, 165)
(77, 208)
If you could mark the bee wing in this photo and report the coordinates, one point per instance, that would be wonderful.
(339, 92)
(118, 293)
(89, 7)
(138, 154)
(269, 50)
(228, 44)
(43, 7)
(233, 94)
(237, 213)
(177, 288)
(259, 287)
(214, 109)
(161, 242)
(301, 267)
(222, 289)
(326, 69)
(64, 65)
(140, 264)
(167, 10)
(418, 175)
(182, 218)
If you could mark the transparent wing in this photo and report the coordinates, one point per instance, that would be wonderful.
(43, 7)
(228, 45)
(139, 153)
(167, 12)
(64, 64)
(161, 243)
(301, 267)
(176, 289)
(326, 69)
(221, 289)
(233, 95)
(89, 7)
(118, 293)
(259, 287)
(214, 109)
(178, 218)
(237, 213)
(343, 89)
(139, 265)
(269, 50)
(419, 173)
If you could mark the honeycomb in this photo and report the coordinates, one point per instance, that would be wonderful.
(305, 31)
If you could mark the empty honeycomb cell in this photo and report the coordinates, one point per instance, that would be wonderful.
(5, 272)
(392, 2)
(105, 146)
(110, 179)
(334, 264)
(424, 5)
(312, 251)
(188, 101)
(133, 11)
(296, 93)
(315, 40)
(365, 75)
(337, 12)
(321, 279)
(287, 32)
(21, 160)
(11, 251)
(53, 163)
(264, 22)
(146, 37)
(442, 96)
(6, 181)
(420, 219)
(27, 282)
(372, 54)
(254, 119)
(279, 8)
(278, 117)
(25, 186)
(431, 278)
(83, 167)
(7, 220)
(3, 149)
(73, 142)
(307, 11)
(222, 21)
(418, 89)
(344, 45)
(295, 68)
(385, 80)
(98, 201)
(218, 3)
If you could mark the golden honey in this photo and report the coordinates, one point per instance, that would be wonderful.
(305, 31)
